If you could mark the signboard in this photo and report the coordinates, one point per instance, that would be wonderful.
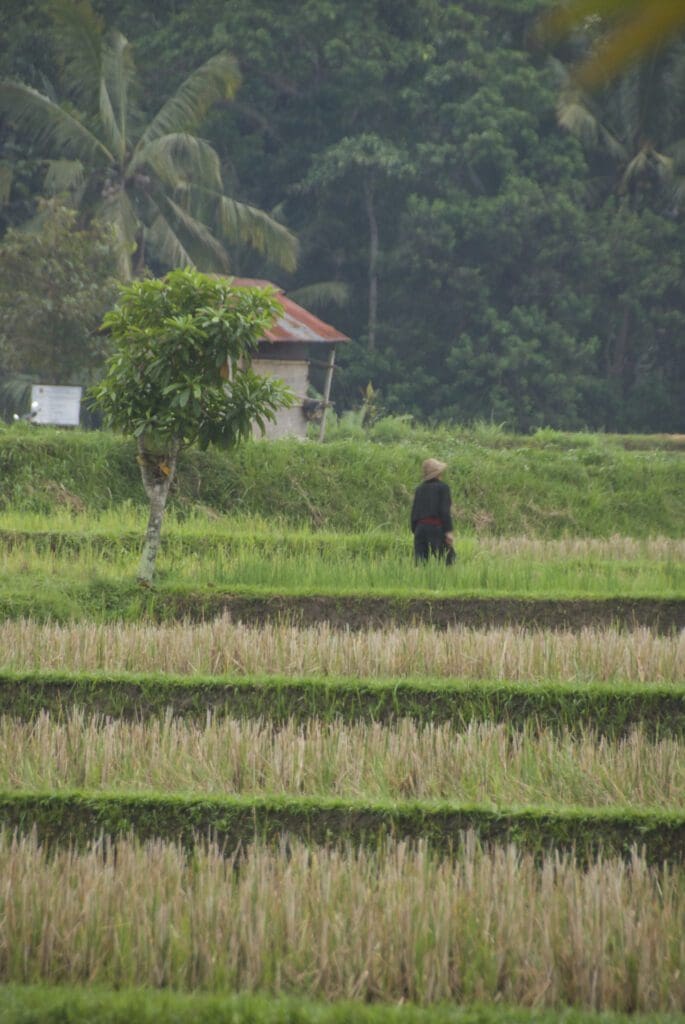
(55, 405)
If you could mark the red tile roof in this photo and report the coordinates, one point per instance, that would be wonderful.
(295, 324)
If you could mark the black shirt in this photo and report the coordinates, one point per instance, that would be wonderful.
(432, 500)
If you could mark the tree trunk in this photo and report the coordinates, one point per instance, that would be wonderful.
(158, 472)
(373, 263)
(619, 365)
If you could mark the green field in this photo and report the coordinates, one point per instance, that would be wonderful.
(308, 563)
(22, 1003)
(302, 779)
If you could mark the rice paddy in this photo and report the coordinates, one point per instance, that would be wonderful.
(485, 764)
(308, 563)
(304, 912)
(224, 647)
(399, 924)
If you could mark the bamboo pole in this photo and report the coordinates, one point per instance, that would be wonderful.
(330, 365)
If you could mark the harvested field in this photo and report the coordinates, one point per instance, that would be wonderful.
(302, 766)
(401, 924)
(483, 764)
(225, 647)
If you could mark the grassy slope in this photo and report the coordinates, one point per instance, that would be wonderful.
(588, 485)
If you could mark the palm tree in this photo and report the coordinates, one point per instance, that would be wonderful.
(633, 30)
(634, 126)
(157, 184)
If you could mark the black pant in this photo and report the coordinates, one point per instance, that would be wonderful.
(430, 540)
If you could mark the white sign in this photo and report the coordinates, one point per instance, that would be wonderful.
(55, 405)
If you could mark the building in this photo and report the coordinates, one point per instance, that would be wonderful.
(297, 340)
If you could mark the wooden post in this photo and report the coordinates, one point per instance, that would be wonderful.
(327, 391)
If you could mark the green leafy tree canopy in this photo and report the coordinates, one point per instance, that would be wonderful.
(156, 182)
(180, 375)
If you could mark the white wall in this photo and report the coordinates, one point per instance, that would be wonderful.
(295, 373)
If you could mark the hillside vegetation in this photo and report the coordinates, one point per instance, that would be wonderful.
(547, 485)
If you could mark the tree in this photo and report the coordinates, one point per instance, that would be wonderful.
(157, 184)
(372, 161)
(631, 30)
(632, 128)
(180, 375)
(56, 283)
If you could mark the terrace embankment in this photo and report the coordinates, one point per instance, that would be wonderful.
(613, 710)
(580, 484)
(373, 612)
(77, 818)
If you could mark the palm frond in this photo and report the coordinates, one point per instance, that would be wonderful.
(166, 245)
(118, 74)
(64, 176)
(108, 123)
(638, 29)
(15, 393)
(204, 250)
(180, 159)
(678, 191)
(322, 294)
(6, 178)
(78, 37)
(239, 222)
(117, 211)
(217, 79)
(51, 128)
(645, 160)
(576, 117)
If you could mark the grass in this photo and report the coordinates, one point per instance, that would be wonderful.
(200, 531)
(20, 1004)
(223, 647)
(484, 764)
(586, 485)
(73, 818)
(248, 566)
(612, 709)
(398, 924)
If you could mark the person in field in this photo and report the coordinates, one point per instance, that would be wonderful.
(431, 515)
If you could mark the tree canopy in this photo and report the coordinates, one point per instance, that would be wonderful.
(179, 374)
(489, 261)
(152, 179)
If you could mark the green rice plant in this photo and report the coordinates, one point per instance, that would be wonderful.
(203, 533)
(225, 647)
(254, 567)
(399, 923)
(485, 764)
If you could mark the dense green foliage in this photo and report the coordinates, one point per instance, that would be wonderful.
(56, 282)
(55, 1005)
(583, 485)
(492, 266)
(79, 817)
(171, 338)
(611, 709)
(179, 374)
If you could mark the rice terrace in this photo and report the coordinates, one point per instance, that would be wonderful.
(301, 778)
(342, 512)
